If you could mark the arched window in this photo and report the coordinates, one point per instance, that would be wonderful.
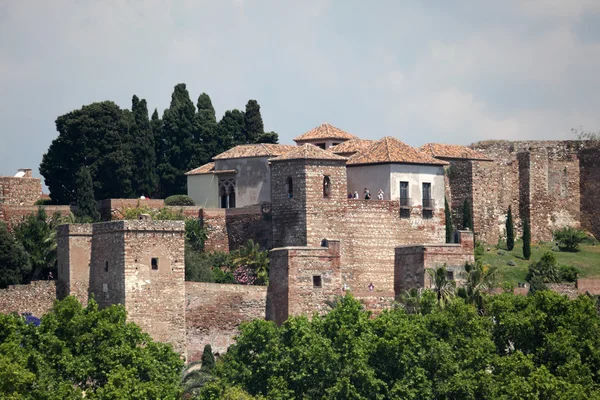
(326, 186)
(289, 184)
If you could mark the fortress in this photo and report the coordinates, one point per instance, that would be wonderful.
(294, 200)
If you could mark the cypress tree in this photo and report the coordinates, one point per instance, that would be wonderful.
(253, 123)
(510, 231)
(145, 179)
(205, 134)
(467, 215)
(87, 209)
(448, 216)
(230, 130)
(526, 239)
(178, 137)
(208, 359)
(268, 137)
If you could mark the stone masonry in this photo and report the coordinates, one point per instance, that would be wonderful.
(74, 245)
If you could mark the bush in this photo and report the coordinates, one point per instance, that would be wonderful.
(43, 202)
(207, 267)
(568, 273)
(545, 269)
(568, 239)
(195, 234)
(479, 250)
(157, 215)
(179, 200)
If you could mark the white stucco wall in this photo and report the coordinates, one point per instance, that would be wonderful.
(252, 181)
(204, 189)
(373, 177)
(416, 175)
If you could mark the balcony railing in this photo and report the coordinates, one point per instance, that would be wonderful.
(428, 204)
(405, 202)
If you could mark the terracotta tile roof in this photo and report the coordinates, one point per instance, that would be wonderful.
(440, 150)
(209, 168)
(351, 146)
(308, 152)
(255, 150)
(324, 131)
(392, 150)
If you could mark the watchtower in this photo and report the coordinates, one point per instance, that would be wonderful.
(308, 191)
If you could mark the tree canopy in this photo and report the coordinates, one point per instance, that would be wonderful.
(84, 352)
(129, 155)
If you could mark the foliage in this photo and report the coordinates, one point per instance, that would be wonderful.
(479, 250)
(415, 301)
(194, 378)
(467, 214)
(195, 234)
(545, 269)
(43, 202)
(163, 214)
(253, 123)
(568, 273)
(479, 281)
(87, 208)
(179, 200)
(251, 264)
(540, 346)
(84, 352)
(569, 238)
(15, 267)
(145, 179)
(208, 267)
(526, 239)
(448, 217)
(510, 230)
(441, 285)
(208, 358)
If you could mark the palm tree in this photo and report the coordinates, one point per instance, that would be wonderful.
(480, 279)
(441, 285)
(411, 300)
(251, 256)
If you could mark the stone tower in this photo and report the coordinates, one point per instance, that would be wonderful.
(74, 243)
(140, 264)
(308, 193)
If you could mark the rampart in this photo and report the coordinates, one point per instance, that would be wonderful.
(36, 298)
(20, 191)
(214, 312)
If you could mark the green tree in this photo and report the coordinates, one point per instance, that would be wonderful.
(480, 279)
(85, 352)
(160, 146)
(526, 239)
(441, 285)
(145, 180)
(545, 268)
(87, 209)
(34, 234)
(178, 140)
(208, 358)
(206, 131)
(448, 217)
(268, 137)
(251, 257)
(15, 267)
(467, 213)
(253, 122)
(510, 231)
(231, 129)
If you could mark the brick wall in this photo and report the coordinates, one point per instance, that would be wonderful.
(589, 170)
(14, 215)
(36, 298)
(214, 312)
(74, 245)
(112, 209)
(20, 191)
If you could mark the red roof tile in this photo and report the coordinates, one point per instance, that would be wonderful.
(325, 131)
(209, 168)
(351, 146)
(392, 150)
(308, 152)
(440, 150)
(254, 150)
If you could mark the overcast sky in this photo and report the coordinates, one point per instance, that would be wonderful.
(422, 71)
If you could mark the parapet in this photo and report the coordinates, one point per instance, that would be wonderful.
(138, 226)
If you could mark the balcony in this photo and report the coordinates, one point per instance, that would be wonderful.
(428, 204)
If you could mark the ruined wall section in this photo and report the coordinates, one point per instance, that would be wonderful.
(589, 183)
(215, 311)
(74, 246)
(289, 212)
(23, 191)
(15, 215)
(459, 178)
(36, 298)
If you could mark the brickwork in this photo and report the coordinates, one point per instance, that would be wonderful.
(214, 312)
(23, 191)
(412, 262)
(302, 279)
(112, 209)
(74, 244)
(589, 181)
(14, 215)
(123, 259)
(36, 298)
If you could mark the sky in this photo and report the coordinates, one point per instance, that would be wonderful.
(422, 71)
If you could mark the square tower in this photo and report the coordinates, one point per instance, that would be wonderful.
(308, 188)
(74, 245)
(140, 264)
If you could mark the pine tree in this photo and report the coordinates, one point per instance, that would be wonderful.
(526, 239)
(448, 216)
(467, 215)
(178, 137)
(87, 209)
(510, 231)
(208, 359)
(145, 180)
(253, 123)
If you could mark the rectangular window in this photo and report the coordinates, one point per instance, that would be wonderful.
(316, 281)
(321, 145)
(404, 212)
(427, 214)
(154, 263)
(450, 275)
(404, 202)
(105, 266)
(427, 201)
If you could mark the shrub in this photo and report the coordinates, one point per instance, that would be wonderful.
(198, 267)
(157, 215)
(43, 202)
(195, 234)
(510, 231)
(569, 238)
(526, 239)
(479, 250)
(179, 200)
(568, 273)
(545, 269)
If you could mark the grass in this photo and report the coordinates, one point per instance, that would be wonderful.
(586, 260)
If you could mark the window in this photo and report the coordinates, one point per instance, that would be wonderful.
(450, 275)
(154, 263)
(335, 143)
(316, 281)
(227, 193)
(321, 145)
(404, 212)
(427, 200)
(427, 214)
(326, 186)
(404, 202)
(105, 266)
(289, 187)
